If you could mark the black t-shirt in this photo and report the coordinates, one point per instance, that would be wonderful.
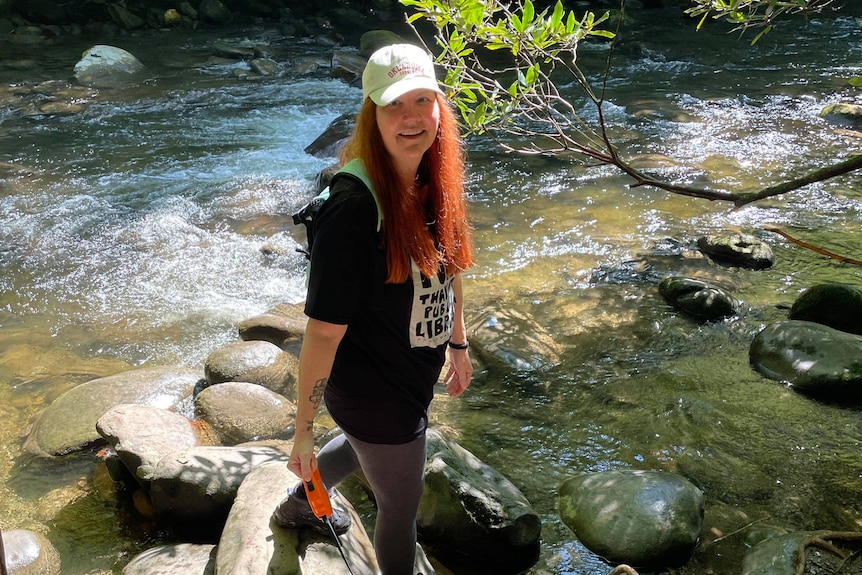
(390, 358)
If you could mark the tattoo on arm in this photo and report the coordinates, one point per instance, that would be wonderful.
(315, 398)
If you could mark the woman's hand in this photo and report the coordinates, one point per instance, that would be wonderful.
(302, 460)
(460, 373)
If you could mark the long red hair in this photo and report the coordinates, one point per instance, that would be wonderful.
(440, 184)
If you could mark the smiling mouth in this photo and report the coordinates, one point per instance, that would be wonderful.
(412, 134)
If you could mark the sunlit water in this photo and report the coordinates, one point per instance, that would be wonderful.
(131, 234)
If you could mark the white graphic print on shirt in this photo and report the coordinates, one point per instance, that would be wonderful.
(433, 309)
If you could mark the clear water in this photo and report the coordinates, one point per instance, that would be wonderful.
(131, 234)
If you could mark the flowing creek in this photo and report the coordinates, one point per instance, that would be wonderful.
(131, 234)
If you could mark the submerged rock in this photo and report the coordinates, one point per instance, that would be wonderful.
(177, 559)
(27, 552)
(698, 298)
(640, 518)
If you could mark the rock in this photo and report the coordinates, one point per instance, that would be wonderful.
(177, 559)
(124, 18)
(172, 17)
(330, 142)
(265, 66)
(69, 423)
(251, 543)
(197, 486)
(698, 298)
(107, 67)
(143, 435)
(645, 519)
(258, 362)
(813, 358)
(348, 66)
(742, 250)
(512, 340)
(239, 412)
(470, 509)
(233, 52)
(837, 305)
(29, 553)
(282, 324)
(774, 555)
(214, 12)
(844, 114)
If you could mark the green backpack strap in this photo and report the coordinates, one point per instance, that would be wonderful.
(356, 168)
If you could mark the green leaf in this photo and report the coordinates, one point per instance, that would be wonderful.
(855, 81)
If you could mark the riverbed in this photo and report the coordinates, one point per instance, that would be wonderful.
(131, 234)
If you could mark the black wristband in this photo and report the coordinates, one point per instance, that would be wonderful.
(464, 345)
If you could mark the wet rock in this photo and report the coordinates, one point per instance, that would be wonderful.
(698, 298)
(837, 305)
(29, 553)
(142, 435)
(509, 339)
(348, 66)
(774, 555)
(177, 559)
(196, 486)
(469, 508)
(330, 142)
(69, 423)
(843, 114)
(233, 52)
(258, 362)
(640, 518)
(741, 250)
(813, 358)
(108, 67)
(282, 324)
(265, 67)
(238, 412)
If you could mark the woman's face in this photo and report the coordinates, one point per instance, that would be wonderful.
(408, 127)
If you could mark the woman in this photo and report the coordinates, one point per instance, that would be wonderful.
(376, 359)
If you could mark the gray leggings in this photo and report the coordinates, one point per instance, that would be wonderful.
(396, 474)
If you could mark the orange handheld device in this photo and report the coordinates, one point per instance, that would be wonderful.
(318, 497)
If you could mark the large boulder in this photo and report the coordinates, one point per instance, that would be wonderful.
(196, 486)
(646, 519)
(280, 325)
(471, 510)
(837, 305)
(142, 435)
(108, 67)
(69, 423)
(813, 358)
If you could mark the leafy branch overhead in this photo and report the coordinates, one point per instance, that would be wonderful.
(505, 63)
(744, 14)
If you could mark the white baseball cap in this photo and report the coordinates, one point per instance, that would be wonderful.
(394, 70)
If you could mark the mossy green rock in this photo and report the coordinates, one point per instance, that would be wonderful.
(644, 519)
(698, 298)
(837, 305)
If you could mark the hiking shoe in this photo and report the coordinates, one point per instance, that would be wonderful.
(295, 513)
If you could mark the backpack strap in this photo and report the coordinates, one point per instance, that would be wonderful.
(356, 168)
